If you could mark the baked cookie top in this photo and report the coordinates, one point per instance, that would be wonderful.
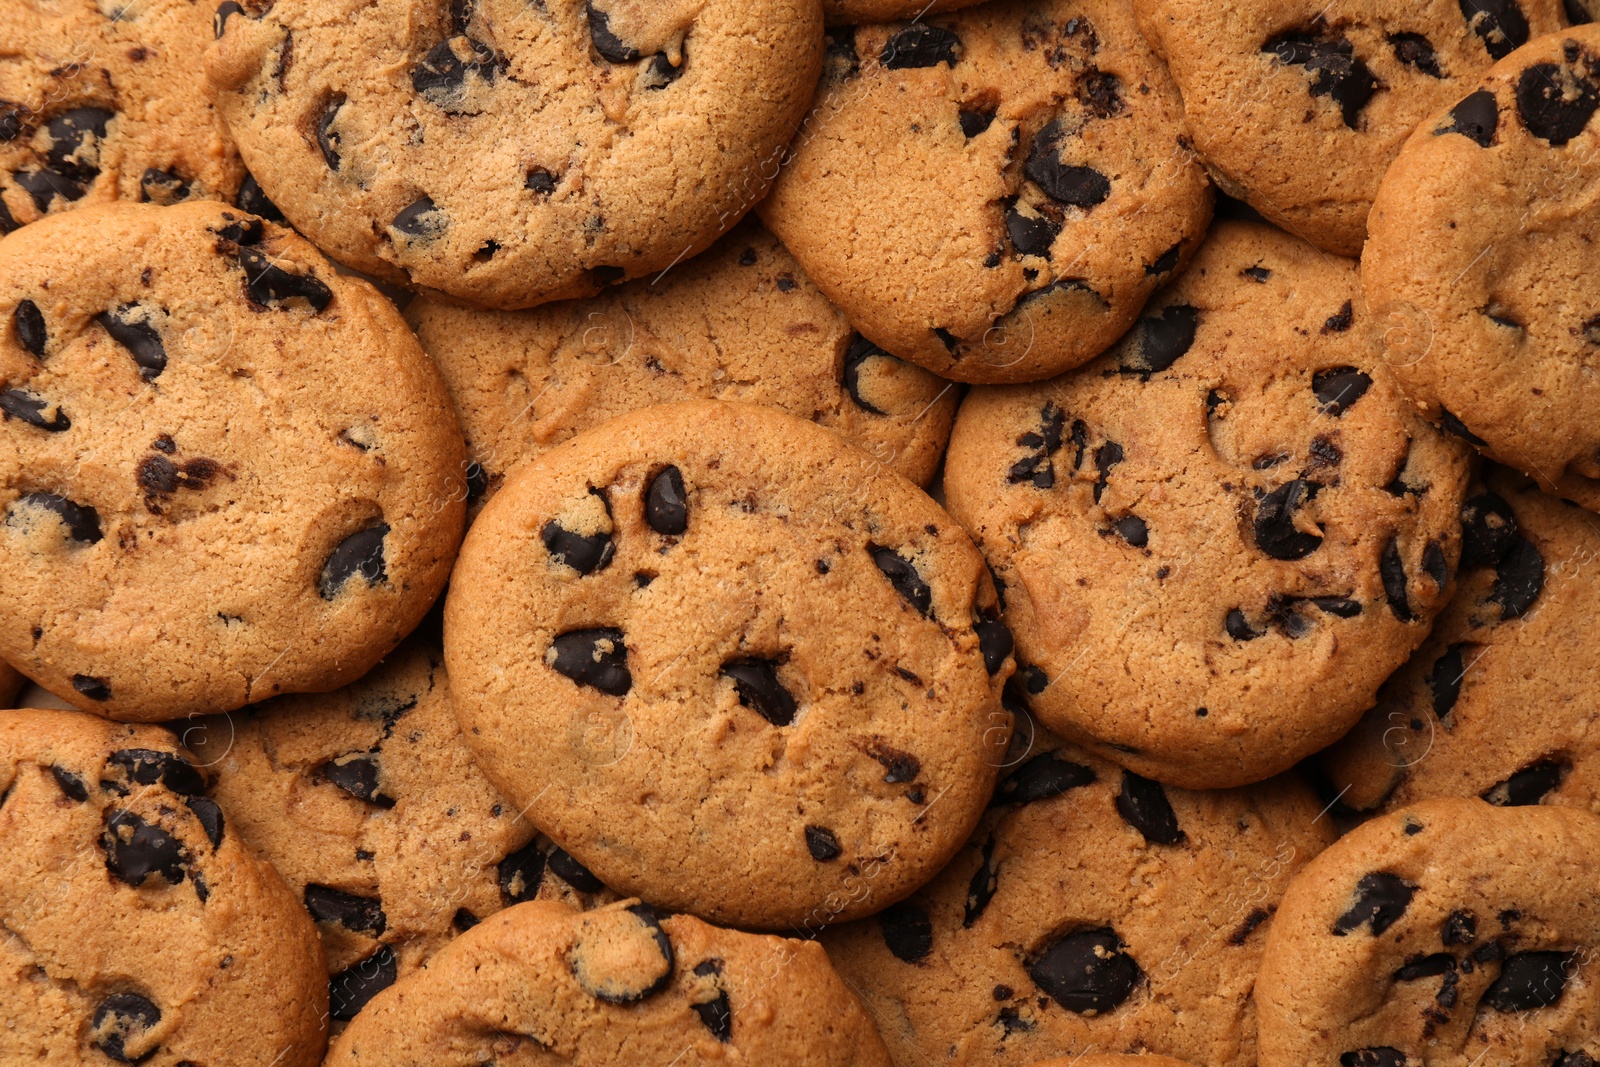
(1499, 701)
(511, 153)
(226, 471)
(1217, 541)
(994, 193)
(843, 12)
(731, 664)
(107, 101)
(140, 927)
(617, 985)
(741, 322)
(1093, 910)
(1443, 934)
(1482, 249)
(1300, 107)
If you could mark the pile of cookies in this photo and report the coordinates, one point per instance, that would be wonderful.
(830, 532)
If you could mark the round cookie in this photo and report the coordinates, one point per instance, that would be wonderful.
(541, 982)
(1217, 541)
(511, 153)
(1499, 702)
(1483, 239)
(849, 12)
(1093, 911)
(993, 194)
(367, 801)
(742, 322)
(226, 471)
(1300, 107)
(1445, 934)
(731, 664)
(102, 102)
(140, 927)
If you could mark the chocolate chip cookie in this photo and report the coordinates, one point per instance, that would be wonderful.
(106, 101)
(1097, 1060)
(367, 801)
(139, 926)
(731, 664)
(1499, 701)
(742, 322)
(226, 472)
(1094, 910)
(510, 153)
(849, 12)
(1300, 107)
(995, 193)
(1217, 541)
(615, 985)
(1444, 934)
(1483, 239)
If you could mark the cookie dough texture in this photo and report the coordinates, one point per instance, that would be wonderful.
(226, 471)
(1096, 1060)
(106, 101)
(511, 153)
(542, 983)
(1444, 934)
(1299, 108)
(1093, 911)
(1482, 249)
(731, 664)
(1217, 541)
(994, 193)
(849, 12)
(367, 801)
(742, 322)
(1499, 702)
(139, 926)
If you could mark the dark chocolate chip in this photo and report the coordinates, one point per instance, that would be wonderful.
(1040, 778)
(361, 914)
(1259, 275)
(1519, 579)
(1143, 805)
(43, 186)
(1555, 104)
(1101, 93)
(1164, 337)
(902, 574)
(1477, 117)
(1564, 1058)
(520, 874)
(1500, 23)
(1275, 530)
(13, 120)
(1460, 928)
(209, 815)
(666, 503)
(441, 78)
(1379, 1056)
(1450, 424)
(328, 140)
(1036, 467)
(1434, 565)
(660, 72)
(1239, 628)
(461, 12)
(1444, 680)
(906, 931)
(756, 682)
(1132, 529)
(899, 767)
(1079, 186)
(146, 766)
(71, 785)
(351, 989)
(575, 874)
(1338, 73)
(1426, 967)
(269, 284)
(81, 520)
(121, 1020)
(995, 641)
(29, 324)
(421, 220)
(822, 844)
(1392, 569)
(136, 849)
(165, 187)
(1528, 786)
(981, 890)
(67, 133)
(30, 408)
(596, 658)
(717, 1013)
(1030, 235)
(1380, 900)
(1488, 529)
(1165, 262)
(921, 45)
(1106, 458)
(357, 776)
(975, 121)
(253, 199)
(1337, 390)
(1342, 607)
(359, 555)
(1530, 980)
(608, 44)
(225, 11)
(584, 553)
(138, 337)
(1415, 50)
(92, 687)
(1339, 323)
(540, 181)
(1085, 971)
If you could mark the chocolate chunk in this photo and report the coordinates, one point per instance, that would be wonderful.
(350, 990)
(1564, 1058)
(225, 11)
(269, 284)
(81, 520)
(30, 408)
(136, 849)
(1444, 680)
(1530, 980)
(1392, 569)
(666, 503)
(520, 874)
(363, 915)
(1380, 1056)
(1036, 467)
(358, 555)
(146, 766)
(29, 324)
(660, 72)
(575, 874)
(138, 337)
(1337, 72)
(906, 931)
(1106, 458)
(1519, 579)
(840, 60)
(1434, 565)
(756, 682)
(13, 120)
(253, 199)
(1087, 971)
(120, 1021)
(1239, 628)
(1164, 337)
(1101, 93)
(584, 553)
(1477, 117)
(1079, 186)
(1380, 900)
(1143, 805)
(441, 78)
(70, 784)
(1030, 235)
(421, 220)
(596, 658)
(859, 352)
(1450, 424)
(1426, 967)
(1342, 607)
(975, 121)
(1415, 50)
(995, 641)
(165, 187)
(43, 186)
(1041, 778)
(461, 12)
(822, 844)
(1500, 23)
(902, 574)
(240, 232)
(1275, 530)
(1337, 390)
(717, 1013)
(626, 937)
(71, 161)
(92, 687)
(981, 890)
(1528, 786)
(1488, 529)
(1555, 104)
(1460, 928)
(608, 44)
(209, 815)
(540, 181)
(1339, 323)
(1132, 529)
(328, 140)
(1165, 262)
(921, 45)
(358, 776)
(899, 767)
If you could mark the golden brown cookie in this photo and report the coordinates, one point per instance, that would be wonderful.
(849, 12)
